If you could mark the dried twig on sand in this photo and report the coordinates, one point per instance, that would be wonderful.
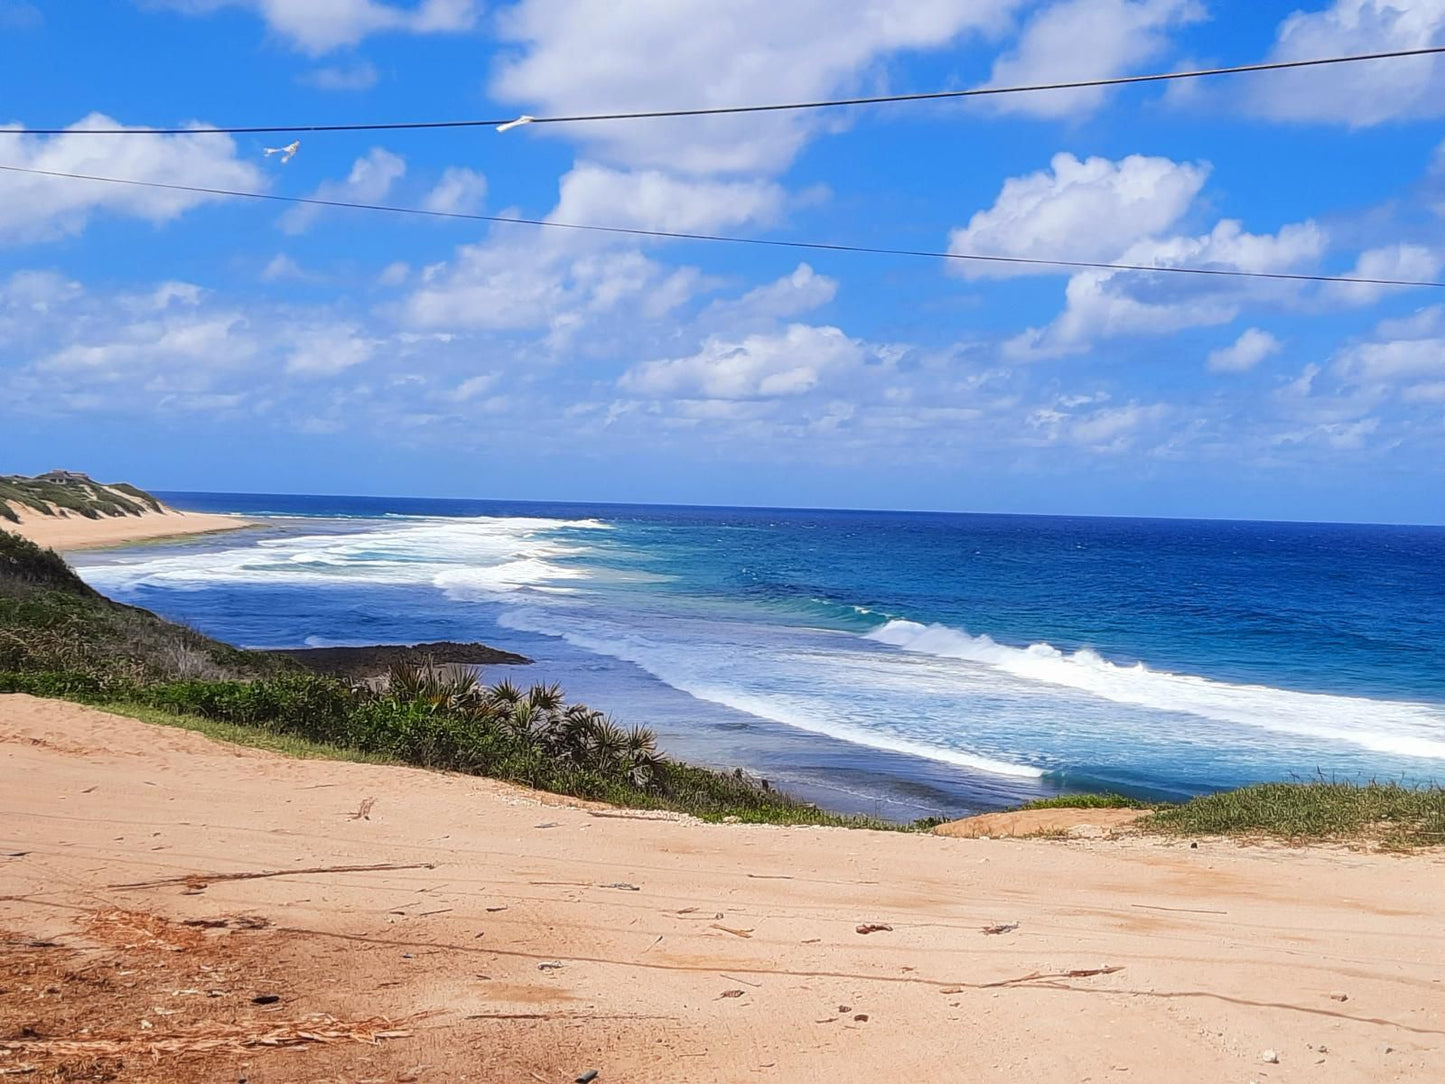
(1002, 927)
(735, 933)
(200, 880)
(745, 982)
(217, 1035)
(565, 1016)
(1186, 910)
(874, 927)
(238, 922)
(1078, 973)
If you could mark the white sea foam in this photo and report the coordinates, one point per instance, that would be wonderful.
(719, 672)
(778, 710)
(466, 558)
(1382, 726)
(516, 575)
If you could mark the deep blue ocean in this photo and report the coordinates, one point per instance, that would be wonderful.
(901, 664)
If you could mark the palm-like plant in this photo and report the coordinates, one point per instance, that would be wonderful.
(526, 723)
(506, 694)
(546, 698)
(540, 719)
(643, 761)
(570, 732)
(463, 686)
(608, 744)
(406, 680)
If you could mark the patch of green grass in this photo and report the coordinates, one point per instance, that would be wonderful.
(1088, 801)
(24, 562)
(72, 493)
(51, 621)
(252, 737)
(1385, 814)
(139, 494)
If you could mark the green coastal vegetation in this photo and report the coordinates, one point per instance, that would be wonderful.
(61, 492)
(1387, 814)
(60, 638)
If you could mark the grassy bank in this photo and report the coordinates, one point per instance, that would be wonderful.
(429, 719)
(1382, 814)
(1385, 814)
(51, 621)
(66, 492)
(59, 638)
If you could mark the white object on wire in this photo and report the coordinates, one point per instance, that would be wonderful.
(285, 152)
(523, 119)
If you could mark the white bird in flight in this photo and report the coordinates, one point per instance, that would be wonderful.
(285, 152)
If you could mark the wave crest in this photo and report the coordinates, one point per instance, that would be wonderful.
(1383, 726)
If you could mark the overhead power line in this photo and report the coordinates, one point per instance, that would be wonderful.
(780, 107)
(766, 242)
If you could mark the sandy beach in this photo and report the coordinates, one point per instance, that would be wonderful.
(526, 937)
(73, 532)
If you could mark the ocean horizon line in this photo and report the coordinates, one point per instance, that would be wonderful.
(169, 494)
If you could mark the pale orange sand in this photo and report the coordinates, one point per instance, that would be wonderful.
(72, 532)
(1082, 823)
(549, 939)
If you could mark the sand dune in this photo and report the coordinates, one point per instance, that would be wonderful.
(74, 532)
(531, 938)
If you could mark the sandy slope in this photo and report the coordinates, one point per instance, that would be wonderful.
(1226, 951)
(72, 532)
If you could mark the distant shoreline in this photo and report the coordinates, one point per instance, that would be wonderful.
(65, 532)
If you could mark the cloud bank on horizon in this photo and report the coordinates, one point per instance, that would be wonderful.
(197, 342)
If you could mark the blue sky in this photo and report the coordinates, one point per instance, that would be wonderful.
(185, 342)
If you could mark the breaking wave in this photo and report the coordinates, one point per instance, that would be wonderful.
(1383, 726)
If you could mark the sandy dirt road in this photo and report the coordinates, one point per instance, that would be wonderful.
(533, 939)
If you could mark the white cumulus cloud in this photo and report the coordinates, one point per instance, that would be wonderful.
(651, 199)
(599, 55)
(544, 283)
(763, 366)
(1247, 351)
(1085, 39)
(42, 208)
(370, 180)
(1105, 304)
(1395, 360)
(1407, 262)
(1078, 210)
(797, 292)
(318, 26)
(1356, 94)
(460, 191)
(326, 351)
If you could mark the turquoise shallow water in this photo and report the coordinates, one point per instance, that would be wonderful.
(898, 663)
